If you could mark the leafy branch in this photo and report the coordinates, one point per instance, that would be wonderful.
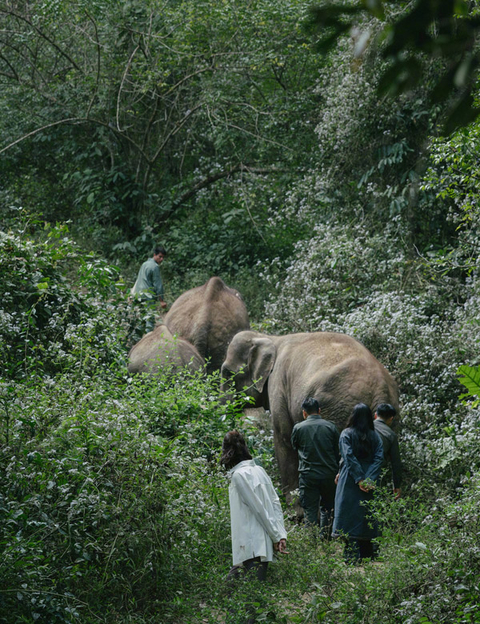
(469, 376)
(220, 175)
(44, 35)
(428, 30)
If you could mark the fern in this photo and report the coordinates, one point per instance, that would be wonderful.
(469, 376)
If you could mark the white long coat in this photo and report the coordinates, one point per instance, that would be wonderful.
(255, 513)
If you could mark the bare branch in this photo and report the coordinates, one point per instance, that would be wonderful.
(97, 81)
(129, 62)
(253, 220)
(146, 135)
(37, 131)
(240, 167)
(14, 75)
(257, 136)
(77, 121)
(178, 126)
(43, 35)
(192, 75)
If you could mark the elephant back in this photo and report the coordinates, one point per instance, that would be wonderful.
(159, 350)
(336, 369)
(209, 316)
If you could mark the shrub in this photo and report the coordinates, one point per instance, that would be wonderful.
(47, 323)
(112, 500)
(333, 272)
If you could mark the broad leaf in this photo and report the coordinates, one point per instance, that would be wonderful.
(469, 376)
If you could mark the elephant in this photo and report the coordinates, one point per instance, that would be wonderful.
(159, 349)
(279, 372)
(208, 317)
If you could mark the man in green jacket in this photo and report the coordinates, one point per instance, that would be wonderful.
(149, 286)
(316, 441)
(384, 415)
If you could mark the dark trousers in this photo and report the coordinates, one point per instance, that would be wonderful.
(253, 566)
(356, 550)
(248, 569)
(318, 495)
(150, 309)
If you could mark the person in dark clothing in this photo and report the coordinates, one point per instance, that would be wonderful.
(316, 441)
(384, 415)
(362, 457)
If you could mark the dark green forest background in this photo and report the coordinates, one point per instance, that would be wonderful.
(325, 162)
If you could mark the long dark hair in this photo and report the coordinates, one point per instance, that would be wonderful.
(234, 449)
(361, 421)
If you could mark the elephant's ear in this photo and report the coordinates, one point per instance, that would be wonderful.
(261, 360)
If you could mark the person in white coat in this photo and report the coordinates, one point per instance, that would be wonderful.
(256, 513)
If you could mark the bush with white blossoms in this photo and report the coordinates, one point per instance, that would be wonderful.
(422, 326)
(112, 499)
(46, 320)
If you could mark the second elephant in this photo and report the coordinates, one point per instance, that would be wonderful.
(279, 372)
(208, 317)
(159, 350)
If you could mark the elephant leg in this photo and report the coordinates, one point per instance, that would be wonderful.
(287, 458)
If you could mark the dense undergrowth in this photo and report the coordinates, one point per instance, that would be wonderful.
(222, 134)
(113, 506)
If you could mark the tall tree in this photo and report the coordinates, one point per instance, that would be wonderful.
(131, 104)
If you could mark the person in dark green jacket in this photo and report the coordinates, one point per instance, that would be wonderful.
(316, 441)
(384, 415)
(149, 286)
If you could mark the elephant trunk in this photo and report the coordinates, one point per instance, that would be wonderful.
(227, 387)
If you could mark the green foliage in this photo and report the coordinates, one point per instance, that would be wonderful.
(214, 129)
(469, 376)
(453, 176)
(111, 499)
(207, 242)
(44, 321)
(113, 502)
(412, 38)
(77, 481)
(149, 105)
(370, 152)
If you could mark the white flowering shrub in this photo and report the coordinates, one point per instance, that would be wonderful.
(368, 145)
(421, 324)
(334, 271)
(111, 499)
(74, 463)
(45, 321)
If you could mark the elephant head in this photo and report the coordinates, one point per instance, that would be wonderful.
(249, 361)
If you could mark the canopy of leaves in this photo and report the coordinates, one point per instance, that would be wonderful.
(444, 29)
(134, 107)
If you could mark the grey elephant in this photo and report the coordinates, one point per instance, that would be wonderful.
(208, 317)
(279, 372)
(159, 349)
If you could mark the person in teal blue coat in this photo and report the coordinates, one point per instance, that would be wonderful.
(362, 457)
(148, 286)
